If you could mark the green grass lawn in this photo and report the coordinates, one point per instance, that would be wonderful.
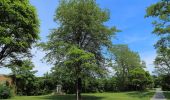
(167, 95)
(94, 96)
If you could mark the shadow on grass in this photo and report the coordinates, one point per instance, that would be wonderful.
(141, 94)
(68, 97)
(167, 94)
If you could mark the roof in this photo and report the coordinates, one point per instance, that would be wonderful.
(3, 75)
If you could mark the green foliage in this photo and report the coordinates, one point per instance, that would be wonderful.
(100, 85)
(75, 47)
(81, 25)
(89, 85)
(157, 81)
(123, 56)
(110, 84)
(24, 77)
(139, 79)
(5, 92)
(45, 85)
(162, 61)
(167, 95)
(161, 11)
(84, 60)
(166, 82)
(124, 61)
(93, 85)
(19, 28)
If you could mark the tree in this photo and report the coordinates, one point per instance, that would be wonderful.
(81, 28)
(161, 11)
(45, 84)
(139, 79)
(165, 82)
(124, 60)
(86, 65)
(24, 77)
(162, 61)
(157, 81)
(19, 28)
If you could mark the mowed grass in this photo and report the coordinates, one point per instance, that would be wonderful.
(94, 96)
(167, 95)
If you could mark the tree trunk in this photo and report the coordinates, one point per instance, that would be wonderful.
(78, 89)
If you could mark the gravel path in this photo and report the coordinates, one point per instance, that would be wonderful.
(159, 95)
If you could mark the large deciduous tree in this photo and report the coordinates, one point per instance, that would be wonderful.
(161, 11)
(19, 28)
(124, 61)
(75, 47)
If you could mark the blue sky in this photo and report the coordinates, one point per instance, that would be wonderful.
(126, 15)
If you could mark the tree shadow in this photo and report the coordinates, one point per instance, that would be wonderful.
(167, 94)
(68, 97)
(141, 94)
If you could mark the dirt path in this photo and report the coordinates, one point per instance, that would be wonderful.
(159, 95)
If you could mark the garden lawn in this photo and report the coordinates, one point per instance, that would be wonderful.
(94, 96)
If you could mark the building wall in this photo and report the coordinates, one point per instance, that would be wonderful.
(6, 79)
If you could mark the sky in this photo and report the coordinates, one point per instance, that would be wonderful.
(126, 15)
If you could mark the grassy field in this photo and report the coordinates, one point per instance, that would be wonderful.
(94, 96)
(167, 95)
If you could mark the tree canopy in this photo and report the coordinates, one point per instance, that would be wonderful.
(23, 77)
(161, 11)
(124, 62)
(19, 28)
(81, 27)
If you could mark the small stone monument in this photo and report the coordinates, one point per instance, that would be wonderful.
(58, 89)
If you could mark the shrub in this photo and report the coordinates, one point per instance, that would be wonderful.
(5, 92)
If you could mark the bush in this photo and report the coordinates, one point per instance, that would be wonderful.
(5, 92)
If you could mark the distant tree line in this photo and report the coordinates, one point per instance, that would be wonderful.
(128, 75)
